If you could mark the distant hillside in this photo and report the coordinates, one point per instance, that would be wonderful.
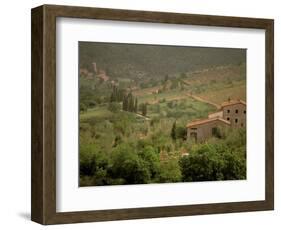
(219, 84)
(147, 61)
(215, 85)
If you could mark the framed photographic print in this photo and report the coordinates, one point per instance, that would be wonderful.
(141, 114)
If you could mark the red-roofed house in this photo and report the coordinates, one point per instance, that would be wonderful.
(201, 130)
(232, 114)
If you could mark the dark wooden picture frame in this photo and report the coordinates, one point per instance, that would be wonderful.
(43, 207)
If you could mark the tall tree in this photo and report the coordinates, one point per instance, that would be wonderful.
(111, 99)
(144, 109)
(120, 94)
(130, 102)
(173, 131)
(114, 94)
(125, 103)
(136, 105)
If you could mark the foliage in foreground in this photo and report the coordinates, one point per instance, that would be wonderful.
(217, 160)
(139, 162)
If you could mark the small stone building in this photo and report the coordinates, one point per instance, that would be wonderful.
(201, 130)
(231, 115)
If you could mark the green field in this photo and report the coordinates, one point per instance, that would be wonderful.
(97, 113)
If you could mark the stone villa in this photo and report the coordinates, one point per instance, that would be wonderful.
(232, 114)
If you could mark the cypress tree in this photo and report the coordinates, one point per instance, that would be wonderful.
(111, 97)
(144, 109)
(173, 131)
(125, 103)
(130, 102)
(136, 105)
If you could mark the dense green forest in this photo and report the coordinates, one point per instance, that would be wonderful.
(133, 123)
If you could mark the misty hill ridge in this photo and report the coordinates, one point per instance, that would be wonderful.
(146, 61)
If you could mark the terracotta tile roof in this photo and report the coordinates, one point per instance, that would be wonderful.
(233, 102)
(204, 121)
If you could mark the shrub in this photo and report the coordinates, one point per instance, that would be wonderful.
(181, 133)
(82, 107)
(93, 166)
(151, 158)
(129, 166)
(205, 166)
(169, 172)
(223, 159)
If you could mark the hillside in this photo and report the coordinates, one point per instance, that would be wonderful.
(215, 85)
(133, 61)
(219, 84)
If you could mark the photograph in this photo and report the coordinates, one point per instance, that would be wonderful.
(141, 114)
(161, 114)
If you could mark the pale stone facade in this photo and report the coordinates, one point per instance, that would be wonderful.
(232, 114)
(203, 129)
(235, 113)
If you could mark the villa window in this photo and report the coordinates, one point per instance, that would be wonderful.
(228, 118)
(236, 111)
(228, 111)
(244, 111)
(236, 120)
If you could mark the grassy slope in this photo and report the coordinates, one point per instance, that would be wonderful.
(218, 96)
(215, 85)
(218, 84)
(98, 112)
